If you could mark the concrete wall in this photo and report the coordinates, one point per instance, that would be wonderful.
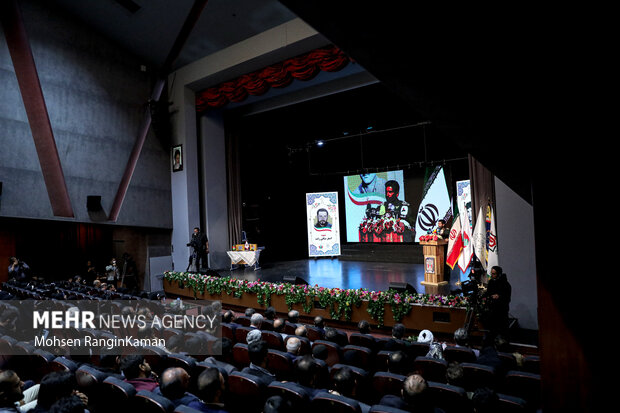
(515, 233)
(95, 95)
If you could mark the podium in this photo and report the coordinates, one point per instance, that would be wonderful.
(434, 262)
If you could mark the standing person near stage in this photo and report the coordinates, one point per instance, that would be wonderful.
(497, 297)
(18, 269)
(200, 250)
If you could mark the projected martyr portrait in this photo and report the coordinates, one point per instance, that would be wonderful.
(376, 210)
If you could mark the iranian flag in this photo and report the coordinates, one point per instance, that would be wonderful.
(455, 243)
(493, 256)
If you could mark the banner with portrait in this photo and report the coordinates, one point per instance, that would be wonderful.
(323, 224)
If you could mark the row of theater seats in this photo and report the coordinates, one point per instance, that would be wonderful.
(245, 393)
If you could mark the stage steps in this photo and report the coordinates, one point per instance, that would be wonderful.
(403, 253)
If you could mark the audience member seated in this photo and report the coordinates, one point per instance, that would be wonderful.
(249, 312)
(320, 352)
(222, 358)
(53, 386)
(319, 323)
(363, 327)
(211, 386)
(174, 386)
(489, 357)
(229, 318)
(306, 370)
(253, 336)
(485, 400)
(174, 343)
(396, 342)
(278, 404)
(414, 396)
(256, 320)
(293, 317)
(398, 363)
(11, 391)
(258, 362)
(137, 372)
(293, 345)
(301, 331)
(461, 339)
(278, 327)
(270, 313)
(68, 404)
(454, 376)
(344, 384)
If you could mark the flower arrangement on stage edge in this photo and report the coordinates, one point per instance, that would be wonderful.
(340, 302)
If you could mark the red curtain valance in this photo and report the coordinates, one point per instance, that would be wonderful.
(304, 67)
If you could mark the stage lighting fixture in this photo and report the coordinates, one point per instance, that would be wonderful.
(319, 143)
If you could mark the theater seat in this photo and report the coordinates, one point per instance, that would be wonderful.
(273, 339)
(289, 390)
(228, 331)
(116, 392)
(431, 369)
(459, 354)
(363, 340)
(511, 404)
(381, 360)
(384, 383)
(378, 408)
(451, 399)
(247, 393)
(531, 364)
(416, 349)
(63, 364)
(241, 356)
(478, 375)
(149, 402)
(185, 409)
(334, 351)
(314, 333)
(181, 360)
(280, 364)
(327, 402)
(362, 354)
(240, 334)
(523, 384)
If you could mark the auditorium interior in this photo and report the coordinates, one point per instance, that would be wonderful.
(267, 101)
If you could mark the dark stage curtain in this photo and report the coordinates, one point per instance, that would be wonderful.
(483, 188)
(304, 67)
(233, 172)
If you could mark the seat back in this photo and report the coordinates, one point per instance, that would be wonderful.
(273, 339)
(379, 408)
(327, 402)
(149, 402)
(290, 391)
(451, 399)
(314, 333)
(228, 331)
(431, 369)
(306, 345)
(363, 381)
(363, 354)
(531, 363)
(247, 393)
(63, 364)
(511, 404)
(280, 364)
(478, 375)
(382, 359)
(240, 334)
(523, 384)
(334, 351)
(459, 354)
(416, 349)
(241, 355)
(116, 392)
(363, 340)
(384, 383)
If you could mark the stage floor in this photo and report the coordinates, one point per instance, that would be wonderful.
(346, 274)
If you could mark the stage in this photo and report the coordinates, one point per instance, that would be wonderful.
(345, 274)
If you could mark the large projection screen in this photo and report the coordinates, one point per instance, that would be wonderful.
(323, 224)
(376, 209)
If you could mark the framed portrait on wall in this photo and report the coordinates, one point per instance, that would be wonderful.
(177, 158)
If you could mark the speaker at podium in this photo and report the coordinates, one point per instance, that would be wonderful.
(402, 287)
(292, 279)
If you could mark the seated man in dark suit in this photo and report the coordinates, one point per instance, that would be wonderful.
(414, 396)
(307, 372)
(138, 373)
(293, 345)
(222, 358)
(211, 387)
(258, 362)
(174, 385)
